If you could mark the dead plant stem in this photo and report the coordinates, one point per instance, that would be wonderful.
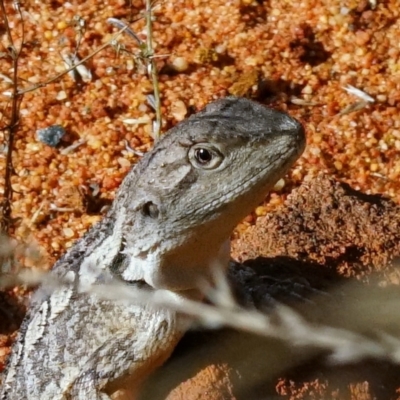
(152, 70)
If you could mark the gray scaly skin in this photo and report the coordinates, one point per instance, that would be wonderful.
(169, 226)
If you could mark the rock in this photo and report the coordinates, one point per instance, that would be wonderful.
(51, 135)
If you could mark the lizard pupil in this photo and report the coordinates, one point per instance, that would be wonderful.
(203, 156)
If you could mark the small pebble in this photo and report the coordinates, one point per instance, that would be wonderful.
(68, 232)
(279, 185)
(178, 110)
(180, 64)
(61, 95)
(123, 162)
(51, 135)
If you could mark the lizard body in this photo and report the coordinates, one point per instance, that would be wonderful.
(168, 227)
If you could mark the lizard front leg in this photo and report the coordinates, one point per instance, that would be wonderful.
(124, 360)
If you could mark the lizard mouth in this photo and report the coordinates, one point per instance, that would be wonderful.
(139, 284)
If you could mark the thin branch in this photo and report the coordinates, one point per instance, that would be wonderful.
(282, 323)
(122, 25)
(12, 125)
(152, 70)
(146, 54)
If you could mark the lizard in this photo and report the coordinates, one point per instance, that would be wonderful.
(168, 228)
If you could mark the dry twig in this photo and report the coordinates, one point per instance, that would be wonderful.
(147, 54)
(283, 323)
(152, 70)
(12, 123)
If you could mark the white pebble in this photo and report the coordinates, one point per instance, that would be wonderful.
(61, 95)
(180, 64)
(178, 110)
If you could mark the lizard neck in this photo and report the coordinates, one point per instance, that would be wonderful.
(180, 265)
(184, 268)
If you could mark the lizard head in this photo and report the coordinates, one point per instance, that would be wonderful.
(201, 179)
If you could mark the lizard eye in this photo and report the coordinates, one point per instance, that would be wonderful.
(205, 156)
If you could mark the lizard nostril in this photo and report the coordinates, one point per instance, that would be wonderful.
(150, 209)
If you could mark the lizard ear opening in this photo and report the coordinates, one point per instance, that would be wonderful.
(149, 209)
(205, 156)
